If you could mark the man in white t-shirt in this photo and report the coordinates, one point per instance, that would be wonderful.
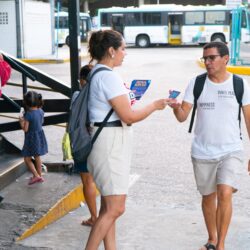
(217, 150)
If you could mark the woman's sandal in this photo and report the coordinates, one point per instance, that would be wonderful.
(88, 222)
(210, 246)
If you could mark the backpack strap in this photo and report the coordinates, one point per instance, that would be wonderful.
(98, 131)
(198, 87)
(91, 75)
(89, 78)
(238, 90)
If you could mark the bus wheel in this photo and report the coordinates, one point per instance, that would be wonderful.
(67, 40)
(218, 38)
(142, 41)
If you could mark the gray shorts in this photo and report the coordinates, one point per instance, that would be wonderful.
(210, 173)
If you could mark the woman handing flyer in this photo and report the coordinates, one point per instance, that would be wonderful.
(109, 160)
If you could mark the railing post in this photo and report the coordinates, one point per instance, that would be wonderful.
(24, 79)
(74, 44)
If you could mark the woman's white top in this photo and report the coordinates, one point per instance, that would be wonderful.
(105, 85)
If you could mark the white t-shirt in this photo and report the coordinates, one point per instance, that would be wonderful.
(105, 86)
(216, 130)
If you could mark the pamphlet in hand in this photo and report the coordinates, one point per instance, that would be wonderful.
(174, 94)
(139, 87)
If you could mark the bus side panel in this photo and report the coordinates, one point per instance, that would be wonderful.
(194, 34)
(156, 34)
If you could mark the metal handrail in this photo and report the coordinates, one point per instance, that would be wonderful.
(18, 67)
(59, 107)
(34, 74)
(13, 103)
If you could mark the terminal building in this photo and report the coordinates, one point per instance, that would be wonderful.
(26, 28)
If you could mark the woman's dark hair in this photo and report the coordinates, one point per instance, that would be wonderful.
(32, 99)
(100, 41)
(221, 47)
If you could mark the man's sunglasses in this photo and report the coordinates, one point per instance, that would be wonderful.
(210, 58)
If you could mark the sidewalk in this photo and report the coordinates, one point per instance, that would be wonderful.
(141, 228)
(162, 211)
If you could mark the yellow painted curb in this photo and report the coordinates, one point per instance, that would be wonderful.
(45, 60)
(240, 70)
(68, 203)
(37, 60)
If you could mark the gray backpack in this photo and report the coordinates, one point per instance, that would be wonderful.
(80, 138)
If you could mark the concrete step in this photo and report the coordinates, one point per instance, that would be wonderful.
(11, 162)
(12, 166)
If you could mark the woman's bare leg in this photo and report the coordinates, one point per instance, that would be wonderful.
(89, 193)
(112, 207)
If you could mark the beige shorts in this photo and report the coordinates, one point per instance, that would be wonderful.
(210, 173)
(110, 159)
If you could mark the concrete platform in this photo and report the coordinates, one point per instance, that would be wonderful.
(141, 228)
(24, 206)
(162, 212)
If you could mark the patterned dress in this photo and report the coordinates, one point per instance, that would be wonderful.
(35, 143)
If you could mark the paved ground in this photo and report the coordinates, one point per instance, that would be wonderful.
(163, 206)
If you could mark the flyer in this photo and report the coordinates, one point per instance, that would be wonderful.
(139, 87)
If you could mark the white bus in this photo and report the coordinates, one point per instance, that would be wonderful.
(173, 24)
(62, 27)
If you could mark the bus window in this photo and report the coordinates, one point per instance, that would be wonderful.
(84, 29)
(248, 19)
(215, 17)
(104, 19)
(63, 22)
(194, 17)
(243, 20)
(153, 18)
(133, 19)
(175, 28)
(118, 22)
